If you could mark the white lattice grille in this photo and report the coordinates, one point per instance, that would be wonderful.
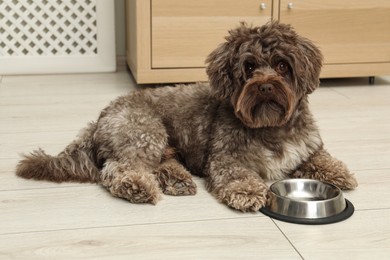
(48, 28)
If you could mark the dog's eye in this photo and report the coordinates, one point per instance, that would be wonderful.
(282, 67)
(249, 68)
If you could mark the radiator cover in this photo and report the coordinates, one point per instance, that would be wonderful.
(56, 36)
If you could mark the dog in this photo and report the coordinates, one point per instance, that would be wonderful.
(251, 123)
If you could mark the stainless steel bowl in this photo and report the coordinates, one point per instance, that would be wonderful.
(306, 199)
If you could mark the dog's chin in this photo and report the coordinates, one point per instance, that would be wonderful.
(264, 114)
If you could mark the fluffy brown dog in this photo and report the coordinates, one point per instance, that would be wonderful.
(251, 124)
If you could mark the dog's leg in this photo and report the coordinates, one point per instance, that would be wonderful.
(322, 166)
(134, 185)
(131, 140)
(236, 186)
(174, 179)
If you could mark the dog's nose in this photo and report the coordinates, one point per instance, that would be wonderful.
(266, 88)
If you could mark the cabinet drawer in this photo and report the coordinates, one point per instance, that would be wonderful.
(183, 32)
(348, 31)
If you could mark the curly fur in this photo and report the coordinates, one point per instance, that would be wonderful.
(250, 124)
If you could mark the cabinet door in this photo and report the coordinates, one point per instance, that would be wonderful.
(347, 31)
(185, 32)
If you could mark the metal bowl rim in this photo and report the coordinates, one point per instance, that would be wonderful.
(339, 195)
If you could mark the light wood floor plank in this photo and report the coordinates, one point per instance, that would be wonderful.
(362, 155)
(363, 236)
(249, 238)
(66, 207)
(374, 187)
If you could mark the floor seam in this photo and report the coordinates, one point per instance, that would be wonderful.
(125, 225)
(286, 237)
(339, 93)
(359, 210)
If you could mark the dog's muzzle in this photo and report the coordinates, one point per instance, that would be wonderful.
(265, 102)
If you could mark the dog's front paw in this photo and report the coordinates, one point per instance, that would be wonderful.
(244, 195)
(174, 179)
(135, 187)
(322, 166)
(344, 182)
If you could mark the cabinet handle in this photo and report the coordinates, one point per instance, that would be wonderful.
(263, 6)
(290, 5)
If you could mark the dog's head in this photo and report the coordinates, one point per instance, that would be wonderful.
(264, 72)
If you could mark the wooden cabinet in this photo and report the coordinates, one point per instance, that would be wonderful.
(183, 33)
(169, 40)
(354, 35)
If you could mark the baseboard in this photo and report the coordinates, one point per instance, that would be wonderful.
(121, 62)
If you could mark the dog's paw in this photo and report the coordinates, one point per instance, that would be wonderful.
(136, 188)
(174, 179)
(342, 178)
(244, 195)
(344, 182)
(322, 166)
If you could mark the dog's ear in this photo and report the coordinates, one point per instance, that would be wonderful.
(220, 62)
(219, 69)
(311, 65)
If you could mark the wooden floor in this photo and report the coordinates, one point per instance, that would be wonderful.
(42, 220)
